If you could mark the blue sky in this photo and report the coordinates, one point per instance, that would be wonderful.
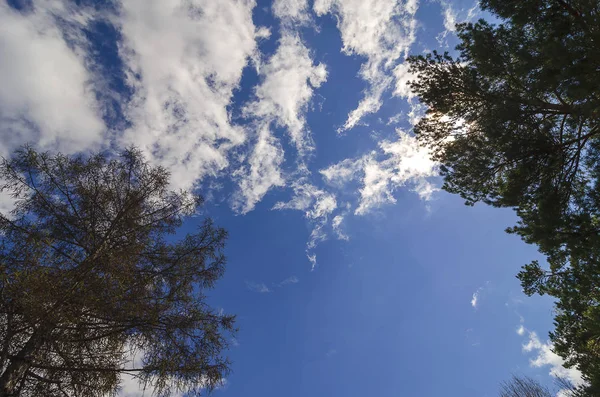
(350, 271)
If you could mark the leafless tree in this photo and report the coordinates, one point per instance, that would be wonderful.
(524, 386)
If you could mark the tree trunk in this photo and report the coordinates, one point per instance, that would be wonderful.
(19, 364)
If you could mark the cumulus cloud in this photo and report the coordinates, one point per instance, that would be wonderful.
(184, 60)
(545, 357)
(281, 99)
(397, 164)
(46, 92)
(317, 205)
(291, 11)
(382, 31)
(521, 330)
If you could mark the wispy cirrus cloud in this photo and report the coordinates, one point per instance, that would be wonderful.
(289, 79)
(263, 288)
(317, 206)
(455, 12)
(337, 225)
(261, 172)
(257, 287)
(382, 31)
(289, 280)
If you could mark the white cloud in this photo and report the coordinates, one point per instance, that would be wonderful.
(263, 288)
(317, 206)
(262, 172)
(382, 31)
(289, 80)
(289, 280)
(475, 299)
(455, 12)
(257, 287)
(46, 92)
(404, 162)
(7, 203)
(371, 103)
(129, 385)
(403, 76)
(425, 189)
(521, 330)
(184, 59)
(282, 98)
(312, 259)
(395, 119)
(341, 173)
(336, 224)
(417, 112)
(449, 18)
(291, 11)
(546, 357)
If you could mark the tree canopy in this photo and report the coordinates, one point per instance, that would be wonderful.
(514, 122)
(91, 273)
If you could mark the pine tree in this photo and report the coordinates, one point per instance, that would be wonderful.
(514, 121)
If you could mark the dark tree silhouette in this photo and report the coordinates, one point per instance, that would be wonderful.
(515, 122)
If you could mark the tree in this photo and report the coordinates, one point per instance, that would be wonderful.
(524, 386)
(514, 121)
(90, 271)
